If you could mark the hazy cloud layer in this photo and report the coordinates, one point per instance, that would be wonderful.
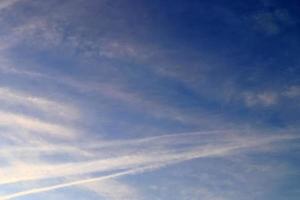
(149, 100)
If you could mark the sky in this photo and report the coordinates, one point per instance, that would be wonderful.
(149, 100)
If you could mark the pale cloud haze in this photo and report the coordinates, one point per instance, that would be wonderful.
(149, 100)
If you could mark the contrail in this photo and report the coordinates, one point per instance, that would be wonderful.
(176, 159)
(182, 158)
(225, 150)
(120, 162)
(80, 182)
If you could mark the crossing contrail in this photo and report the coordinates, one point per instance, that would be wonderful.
(80, 182)
(163, 162)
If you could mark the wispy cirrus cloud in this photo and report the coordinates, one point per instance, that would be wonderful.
(114, 190)
(35, 125)
(262, 99)
(7, 3)
(293, 91)
(77, 77)
(15, 98)
(149, 159)
(137, 101)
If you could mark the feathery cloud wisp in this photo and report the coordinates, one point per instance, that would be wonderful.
(146, 161)
(36, 125)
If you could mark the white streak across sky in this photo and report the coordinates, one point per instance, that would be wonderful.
(142, 163)
(149, 100)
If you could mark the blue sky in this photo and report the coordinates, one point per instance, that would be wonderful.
(149, 100)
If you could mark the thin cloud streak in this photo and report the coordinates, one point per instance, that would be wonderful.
(80, 182)
(7, 3)
(161, 147)
(137, 101)
(144, 163)
(113, 190)
(36, 125)
(53, 108)
(75, 73)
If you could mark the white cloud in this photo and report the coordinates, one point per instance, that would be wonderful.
(260, 99)
(35, 32)
(142, 161)
(50, 107)
(116, 91)
(23, 122)
(293, 91)
(113, 190)
(7, 3)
